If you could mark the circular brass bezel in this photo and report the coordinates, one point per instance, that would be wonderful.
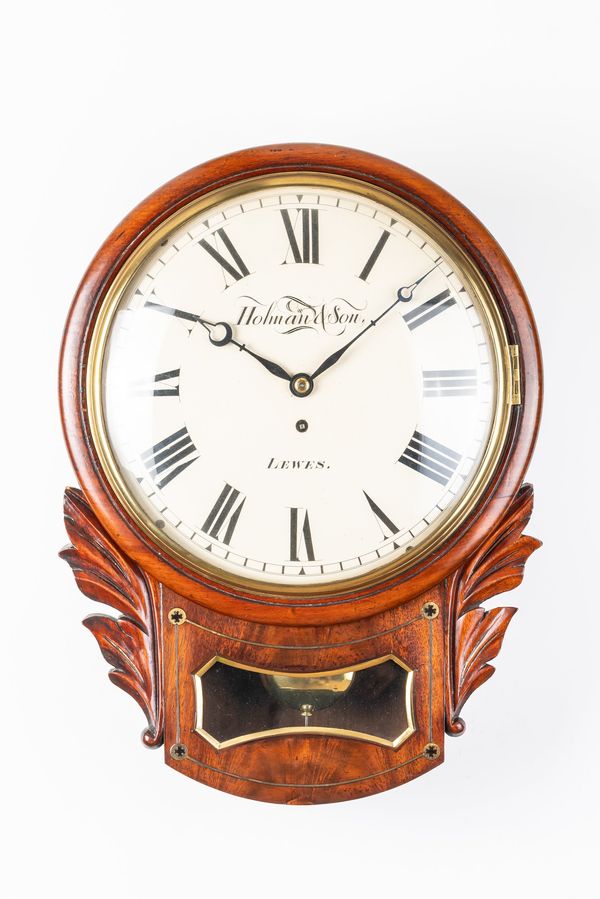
(470, 276)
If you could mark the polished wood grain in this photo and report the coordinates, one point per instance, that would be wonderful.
(429, 616)
(315, 768)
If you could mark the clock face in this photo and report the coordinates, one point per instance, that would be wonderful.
(299, 383)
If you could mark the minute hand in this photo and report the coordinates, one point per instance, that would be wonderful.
(273, 367)
(403, 296)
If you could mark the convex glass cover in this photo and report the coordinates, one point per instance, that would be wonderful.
(298, 381)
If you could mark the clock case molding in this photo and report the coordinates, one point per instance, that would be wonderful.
(173, 620)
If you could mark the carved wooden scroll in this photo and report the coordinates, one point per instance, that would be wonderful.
(130, 643)
(474, 635)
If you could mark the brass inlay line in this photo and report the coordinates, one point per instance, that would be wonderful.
(312, 786)
(313, 647)
(178, 722)
(383, 772)
(430, 680)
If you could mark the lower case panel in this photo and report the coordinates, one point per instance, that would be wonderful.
(326, 763)
(160, 645)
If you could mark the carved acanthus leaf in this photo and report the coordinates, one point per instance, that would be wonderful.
(474, 635)
(129, 643)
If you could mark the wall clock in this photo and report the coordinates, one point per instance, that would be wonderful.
(300, 388)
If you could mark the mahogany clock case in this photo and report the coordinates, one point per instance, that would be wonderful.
(468, 233)
(429, 615)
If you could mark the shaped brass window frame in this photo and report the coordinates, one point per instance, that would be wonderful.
(306, 728)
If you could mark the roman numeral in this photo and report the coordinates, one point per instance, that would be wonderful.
(234, 265)
(165, 383)
(430, 458)
(386, 524)
(301, 544)
(429, 309)
(308, 219)
(169, 457)
(450, 382)
(374, 255)
(224, 514)
(169, 310)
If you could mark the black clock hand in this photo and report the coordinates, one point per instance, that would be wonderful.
(404, 295)
(273, 367)
(228, 337)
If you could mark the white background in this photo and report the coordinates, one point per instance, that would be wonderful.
(498, 102)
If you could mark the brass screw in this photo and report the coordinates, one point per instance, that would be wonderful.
(430, 610)
(431, 751)
(177, 616)
(178, 751)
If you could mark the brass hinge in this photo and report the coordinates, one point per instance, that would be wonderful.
(514, 393)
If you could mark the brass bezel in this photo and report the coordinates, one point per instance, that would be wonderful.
(471, 277)
(303, 730)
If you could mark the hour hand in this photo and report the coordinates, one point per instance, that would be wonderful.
(220, 334)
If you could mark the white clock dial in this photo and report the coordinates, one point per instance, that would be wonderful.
(299, 386)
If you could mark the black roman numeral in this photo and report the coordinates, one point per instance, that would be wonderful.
(169, 457)
(169, 310)
(450, 382)
(374, 255)
(234, 265)
(429, 309)
(224, 514)
(430, 458)
(308, 219)
(165, 383)
(301, 543)
(386, 524)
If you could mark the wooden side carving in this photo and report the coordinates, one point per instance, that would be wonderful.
(130, 643)
(474, 635)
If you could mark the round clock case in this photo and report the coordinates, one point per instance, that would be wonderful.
(342, 627)
(337, 601)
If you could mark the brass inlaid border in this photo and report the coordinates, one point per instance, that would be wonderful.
(310, 786)
(430, 684)
(299, 646)
(375, 774)
(471, 277)
(177, 690)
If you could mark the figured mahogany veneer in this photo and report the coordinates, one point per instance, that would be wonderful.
(154, 659)
(449, 652)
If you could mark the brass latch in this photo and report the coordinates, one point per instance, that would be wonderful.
(514, 394)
